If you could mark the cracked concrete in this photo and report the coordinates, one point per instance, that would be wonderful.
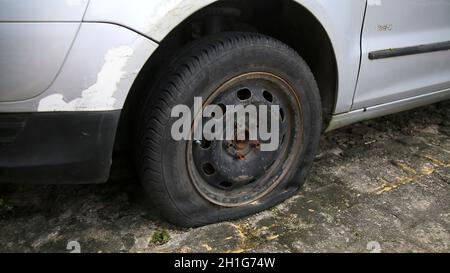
(382, 184)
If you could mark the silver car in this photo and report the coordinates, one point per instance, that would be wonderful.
(80, 79)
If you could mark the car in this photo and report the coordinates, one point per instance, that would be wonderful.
(81, 79)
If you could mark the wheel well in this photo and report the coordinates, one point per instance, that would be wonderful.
(285, 20)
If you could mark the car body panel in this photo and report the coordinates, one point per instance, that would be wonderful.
(342, 20)
(97, 74)
(388, 108)
(399, 24)
(36, 37)
(155, 19)
(42, 10)
(31, 56)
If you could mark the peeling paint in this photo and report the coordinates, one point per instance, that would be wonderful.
(99, 96)
(163, 14)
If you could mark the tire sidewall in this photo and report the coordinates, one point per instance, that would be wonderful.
(202, 81)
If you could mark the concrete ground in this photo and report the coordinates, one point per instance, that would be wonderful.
(381, 185)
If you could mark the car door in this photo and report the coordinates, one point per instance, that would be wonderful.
(404, 50)
(35, 37)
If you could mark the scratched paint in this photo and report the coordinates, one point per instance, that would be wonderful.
(99, 96)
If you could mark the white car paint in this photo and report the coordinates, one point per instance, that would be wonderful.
(100, 95)
(42, 10)
(142, 24)
(341, 19)
(38, 52)
(97, 81)
(397, 24)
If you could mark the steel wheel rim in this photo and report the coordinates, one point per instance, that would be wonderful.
(265, 88)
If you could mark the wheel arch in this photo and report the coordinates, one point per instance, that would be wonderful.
(295, 20)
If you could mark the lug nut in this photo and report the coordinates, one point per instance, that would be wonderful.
(240, 156)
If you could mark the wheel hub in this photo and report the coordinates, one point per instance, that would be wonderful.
(235, 172)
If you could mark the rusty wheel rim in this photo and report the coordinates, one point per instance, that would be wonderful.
(233, 173)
